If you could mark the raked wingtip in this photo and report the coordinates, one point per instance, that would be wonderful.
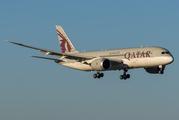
(9, 41)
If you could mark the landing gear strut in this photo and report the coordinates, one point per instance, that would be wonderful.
(125, 76)
(161, 69)
(98, 75)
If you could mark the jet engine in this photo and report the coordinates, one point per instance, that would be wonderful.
(100, 64)
(155, 70)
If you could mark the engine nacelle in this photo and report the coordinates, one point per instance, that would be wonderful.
(100, 64)
(155, 70)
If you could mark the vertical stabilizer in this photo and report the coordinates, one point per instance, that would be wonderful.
(65, 43)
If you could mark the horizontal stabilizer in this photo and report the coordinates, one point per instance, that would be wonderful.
(56, 60)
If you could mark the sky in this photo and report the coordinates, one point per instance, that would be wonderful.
(37, 89)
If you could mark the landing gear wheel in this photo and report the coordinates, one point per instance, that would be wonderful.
(101, 75)
(98, 75)
(94, 75)
(128, 76)
(124, 76)
(160, 72)
(121, 77)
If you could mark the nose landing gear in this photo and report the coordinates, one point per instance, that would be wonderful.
(124, 76)
(161, 69)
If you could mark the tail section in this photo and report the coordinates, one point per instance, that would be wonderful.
(65, 43)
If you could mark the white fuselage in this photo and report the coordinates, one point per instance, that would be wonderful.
(131, 58)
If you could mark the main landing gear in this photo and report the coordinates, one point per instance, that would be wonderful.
(98, 75)
(125, 76)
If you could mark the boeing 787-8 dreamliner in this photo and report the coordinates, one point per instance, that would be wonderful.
(152, 59)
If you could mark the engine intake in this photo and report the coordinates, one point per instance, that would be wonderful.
(100, 64)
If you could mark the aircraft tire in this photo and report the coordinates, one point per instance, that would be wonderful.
(94, 75)
(128, 76)
(121, 77)
(102, 75)
(98, 75)
(125, 76)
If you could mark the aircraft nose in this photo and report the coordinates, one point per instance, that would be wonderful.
(170, 59)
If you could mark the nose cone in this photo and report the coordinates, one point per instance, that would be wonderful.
(170, 59)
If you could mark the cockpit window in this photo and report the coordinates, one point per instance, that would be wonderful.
(165, 52)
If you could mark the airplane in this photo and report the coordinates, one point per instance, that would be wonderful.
(152, 59)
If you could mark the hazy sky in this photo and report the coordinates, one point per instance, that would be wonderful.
(37, 89)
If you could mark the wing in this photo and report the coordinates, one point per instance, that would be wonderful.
(59, 54)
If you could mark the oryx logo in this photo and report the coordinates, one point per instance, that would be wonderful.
(65, 46)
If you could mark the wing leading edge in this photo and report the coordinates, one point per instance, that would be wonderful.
(59, 54)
